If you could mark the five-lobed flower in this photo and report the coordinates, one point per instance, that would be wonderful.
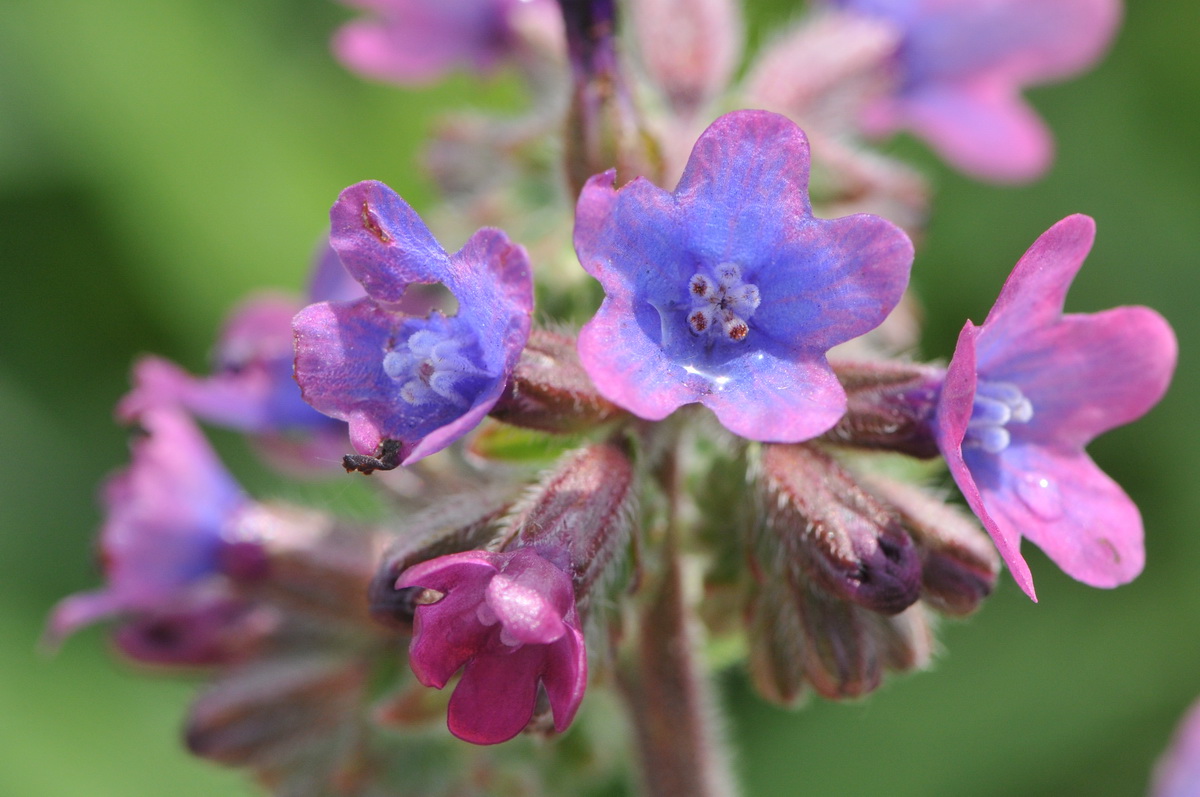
(728, 291)
(961, 64)
(410, 384)
(508, 620)
(1028, 390)
(172, 530)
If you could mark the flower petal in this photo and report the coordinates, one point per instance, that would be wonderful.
(383, 242)
(1090, 373)
(1034, 293)
(449, 633)
(984, 128)
(565, 675)
(495, 698)
(953, 412)
(1068, 507)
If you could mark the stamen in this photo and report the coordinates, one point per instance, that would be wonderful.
(997, 405)
(724, 306)
(430, 366)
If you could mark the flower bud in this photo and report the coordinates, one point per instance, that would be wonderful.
(841, 655)
(959, 564)
(818, 524)
(277, 711)
(604, 130)
(688, 47)
(888, 407)
(550, 391)
(454, 524)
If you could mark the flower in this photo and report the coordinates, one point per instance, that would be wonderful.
(1177, 773)
(728, 292)
(417, 41)
(961, 64)
(172, 527)
(1028, 390)
(251, 388)
(411, 384)
(508, 621)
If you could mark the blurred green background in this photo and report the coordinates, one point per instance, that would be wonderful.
(158, 160)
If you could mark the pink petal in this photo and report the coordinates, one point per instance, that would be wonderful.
(1034, 293)
(565, 676)
(953, 412)
(495, 698)
(985, 129)
(1063, 503)
(1090, 373)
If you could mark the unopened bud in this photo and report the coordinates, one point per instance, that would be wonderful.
(841, 654)
(959, 564)
(550, 391)
(888, 407)
(454, 524)
(688, 47)
(818, 524)
(776, 639)
(581, 514)
(604, 130)
(905, 640)
(277, 711)
(822, 71)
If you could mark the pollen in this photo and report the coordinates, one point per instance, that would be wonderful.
(722, 303)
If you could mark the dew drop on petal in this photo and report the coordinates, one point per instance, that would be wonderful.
(1041, 495)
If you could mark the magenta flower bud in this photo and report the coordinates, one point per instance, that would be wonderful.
(173, 522)
(511, 620)
(819, 525)
(1028, 390)
(508, 621)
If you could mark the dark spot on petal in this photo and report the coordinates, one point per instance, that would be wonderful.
(698, 322)
(1112, 549)
(738, 332)
(371, 224)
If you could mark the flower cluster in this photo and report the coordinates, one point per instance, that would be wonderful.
(582, 517)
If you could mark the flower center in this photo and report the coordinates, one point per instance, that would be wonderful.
(997, 404)
(722, 306)
(430, 367)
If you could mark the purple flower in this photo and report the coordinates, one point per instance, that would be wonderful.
(960, 67)
(410, 384)
(251, 388)
(729, 292)
(1028, 390)
(1177, 773)
(418, 41)
(508, 621)
(172, 526)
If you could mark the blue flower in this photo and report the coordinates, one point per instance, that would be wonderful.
(410, 384)
(729, 292)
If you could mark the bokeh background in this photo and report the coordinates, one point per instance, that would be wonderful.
(159, 160)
